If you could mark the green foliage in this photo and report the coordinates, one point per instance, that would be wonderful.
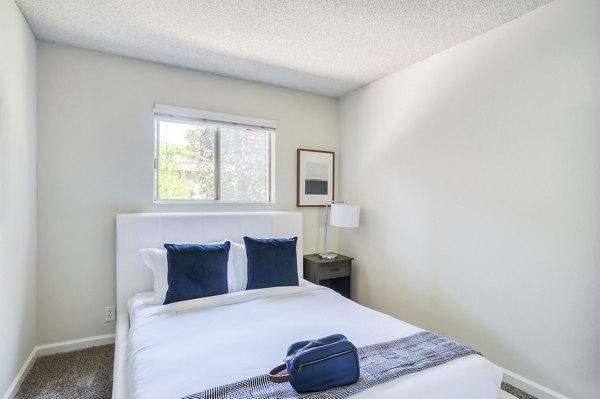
(201, 153)
(244, 166)
(171, 183)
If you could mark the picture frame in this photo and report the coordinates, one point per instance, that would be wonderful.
(315, 178)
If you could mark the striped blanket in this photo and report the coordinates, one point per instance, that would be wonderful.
(378, 363)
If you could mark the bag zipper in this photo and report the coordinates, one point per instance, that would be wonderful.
(323, 359)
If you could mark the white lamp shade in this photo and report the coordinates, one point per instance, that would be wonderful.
(344, 215)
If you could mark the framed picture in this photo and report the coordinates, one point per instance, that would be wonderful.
(315, 177)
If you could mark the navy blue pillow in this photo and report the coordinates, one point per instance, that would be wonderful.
(196, 271)
(271, 262)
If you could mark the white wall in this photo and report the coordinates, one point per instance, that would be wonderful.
(95, 157)
(17, 192)
(478, 175)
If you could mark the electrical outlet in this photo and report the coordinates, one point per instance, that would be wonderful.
(109, 313)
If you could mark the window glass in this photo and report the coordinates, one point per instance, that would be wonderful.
(244, 159)
(208, 161)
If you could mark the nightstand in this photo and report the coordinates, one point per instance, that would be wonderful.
(334, 273)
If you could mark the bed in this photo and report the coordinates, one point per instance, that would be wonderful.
(174, 350)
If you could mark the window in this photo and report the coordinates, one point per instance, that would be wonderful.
(208, 156)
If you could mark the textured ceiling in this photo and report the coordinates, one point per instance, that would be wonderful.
(327, 47)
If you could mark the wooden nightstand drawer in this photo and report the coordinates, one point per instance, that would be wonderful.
(334, 270)
(334, 274)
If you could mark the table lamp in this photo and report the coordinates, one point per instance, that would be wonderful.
(338, 214)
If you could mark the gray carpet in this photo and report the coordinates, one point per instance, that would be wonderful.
(516, 392)
(87, 374)
(84, 374)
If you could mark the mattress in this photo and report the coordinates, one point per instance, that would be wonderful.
(185, 347)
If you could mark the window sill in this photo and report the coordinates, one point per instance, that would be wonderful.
(212, 202)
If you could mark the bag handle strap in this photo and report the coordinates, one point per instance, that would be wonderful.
(273, 377)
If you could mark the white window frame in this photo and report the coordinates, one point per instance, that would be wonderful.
(173, 113)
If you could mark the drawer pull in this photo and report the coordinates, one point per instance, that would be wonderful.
(337, 269)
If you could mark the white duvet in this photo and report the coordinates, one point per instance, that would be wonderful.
(185, 347)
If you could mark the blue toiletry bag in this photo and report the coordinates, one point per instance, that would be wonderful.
(319, 364)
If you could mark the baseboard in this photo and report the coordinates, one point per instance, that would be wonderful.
(531, 387)
(13, 388)
(75, 344)
(50, 349)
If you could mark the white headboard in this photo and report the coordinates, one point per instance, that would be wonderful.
(152, 230)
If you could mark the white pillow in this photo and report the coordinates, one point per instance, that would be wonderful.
(156, 260)
(237, 267)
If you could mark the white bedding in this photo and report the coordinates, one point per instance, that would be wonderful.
(185, 347)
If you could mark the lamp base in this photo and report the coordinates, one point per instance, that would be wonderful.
(328, 255)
